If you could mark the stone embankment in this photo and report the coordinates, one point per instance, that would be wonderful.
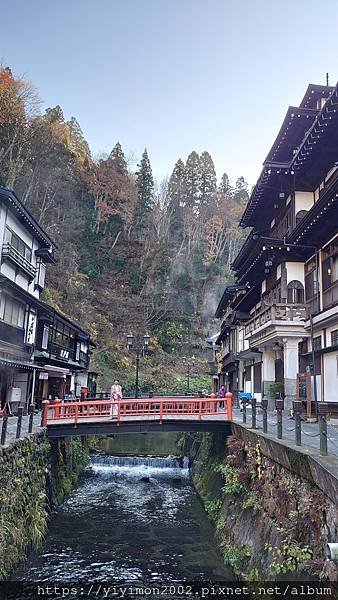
(274, 507)
(35, 476)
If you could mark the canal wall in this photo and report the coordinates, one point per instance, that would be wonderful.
(274, 508)
(35, 476)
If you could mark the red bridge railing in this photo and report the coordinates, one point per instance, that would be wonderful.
(132, 409)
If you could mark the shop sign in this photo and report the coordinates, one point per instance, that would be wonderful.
(31, 328)
(43, 375)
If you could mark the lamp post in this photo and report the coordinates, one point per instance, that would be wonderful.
(139, 351)
(190, 364)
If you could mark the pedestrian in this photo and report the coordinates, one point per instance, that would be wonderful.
(222, 392)
(115, 396)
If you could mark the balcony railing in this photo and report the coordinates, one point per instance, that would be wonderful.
(276, 312)
(12, 254)
(225, 351)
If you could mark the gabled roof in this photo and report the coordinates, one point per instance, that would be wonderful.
(296, 123)
(25, 217)
(313, 93)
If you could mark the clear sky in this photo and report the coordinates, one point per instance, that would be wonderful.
(174, 75)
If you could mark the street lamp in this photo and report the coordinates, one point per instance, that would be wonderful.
(190, 364)
(139, 351)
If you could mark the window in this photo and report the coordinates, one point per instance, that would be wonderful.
(317, 343)
(330, 265)
(45, 336)
(63, 335)
(295, 292)
(300, 215)
(334, 337)
(311, 287)
(17, 243)
(11, 311)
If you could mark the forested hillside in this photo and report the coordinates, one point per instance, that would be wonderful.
(133, 254)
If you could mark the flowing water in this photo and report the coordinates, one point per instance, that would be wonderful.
(131, 519)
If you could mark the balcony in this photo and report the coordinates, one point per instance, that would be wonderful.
(290, 314)
(225, 351)
(12, 254)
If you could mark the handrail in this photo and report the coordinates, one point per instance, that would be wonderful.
(157, 408)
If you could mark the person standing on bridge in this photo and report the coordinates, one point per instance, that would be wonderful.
(115, 396)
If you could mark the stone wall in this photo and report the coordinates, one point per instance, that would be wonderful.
(35, 475)
(274, 510)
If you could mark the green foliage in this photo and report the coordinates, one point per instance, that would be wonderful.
(254, 501)
(234, 556)
(230, 475)
(290, 557)
(213, 508)
(276, 389)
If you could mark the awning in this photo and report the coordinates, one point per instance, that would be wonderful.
(56, 371)
(19, 364)
(250, 353)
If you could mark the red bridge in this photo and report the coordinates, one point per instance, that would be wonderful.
(136, 415)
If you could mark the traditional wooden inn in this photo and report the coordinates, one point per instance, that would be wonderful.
(279, 330)
(37, 344)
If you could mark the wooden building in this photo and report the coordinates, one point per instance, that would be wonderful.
(280, 320)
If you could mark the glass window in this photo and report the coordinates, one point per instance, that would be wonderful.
(334, 337)
(41, 274)
(12, 312)
(317, 342)
(295, 292)
(18, 244)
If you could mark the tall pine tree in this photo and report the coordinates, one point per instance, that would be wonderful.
(241, 190)
(208, 181)
(225, 187)
(145, 192)
(176, 193)
(119, 160)
(193, 181)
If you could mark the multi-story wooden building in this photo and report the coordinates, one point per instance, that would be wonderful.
(35, 340)
(280, 320)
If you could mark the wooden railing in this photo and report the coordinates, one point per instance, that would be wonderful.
(132, 409)
(276, 312)
(8, 251)
(330, 296)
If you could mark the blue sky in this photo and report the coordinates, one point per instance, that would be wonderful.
(174, 75)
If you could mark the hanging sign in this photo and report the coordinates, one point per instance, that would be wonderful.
(31, 328)
(43, 375)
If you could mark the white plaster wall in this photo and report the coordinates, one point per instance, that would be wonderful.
(330, 377)
(279, 271)
(303, 201)
(2, 223)
(295, 270)
(263, 286)
(19, 229)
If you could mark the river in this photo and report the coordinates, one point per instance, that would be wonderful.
(130, 519)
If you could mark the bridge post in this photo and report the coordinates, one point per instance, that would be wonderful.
(265, 403)
(31, 417)
(44, 414)
(254, 413)
(161, 411)
(57, 403)
(200, 409)
(4, 429)
(19, 423)
(280, 408)
(297, 409)
(323, 409)
(228, 397)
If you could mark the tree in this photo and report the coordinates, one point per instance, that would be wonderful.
(177, 195)
(145, 191)
(119, 160)
(225, 187)
(193, 182)
(208, 181)
(241, 190)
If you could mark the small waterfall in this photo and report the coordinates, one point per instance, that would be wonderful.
(167, 462)
(139, 466)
